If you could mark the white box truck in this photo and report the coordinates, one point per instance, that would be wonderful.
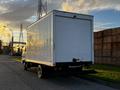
(60, 40)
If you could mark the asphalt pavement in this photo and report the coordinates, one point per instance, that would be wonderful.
(13, 77)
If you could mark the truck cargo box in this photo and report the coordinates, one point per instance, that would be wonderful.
(61, 38)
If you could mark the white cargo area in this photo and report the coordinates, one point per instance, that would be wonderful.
(60, 37)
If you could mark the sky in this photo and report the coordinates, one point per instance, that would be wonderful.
(14, 12)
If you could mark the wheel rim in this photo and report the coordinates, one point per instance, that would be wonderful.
(39, 71)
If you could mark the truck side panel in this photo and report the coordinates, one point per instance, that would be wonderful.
(39, 45)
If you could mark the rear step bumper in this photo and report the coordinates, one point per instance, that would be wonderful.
(82, 63)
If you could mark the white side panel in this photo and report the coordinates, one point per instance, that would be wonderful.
(72, 39)
(39, 45)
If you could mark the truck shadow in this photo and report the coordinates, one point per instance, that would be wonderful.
(64, 78)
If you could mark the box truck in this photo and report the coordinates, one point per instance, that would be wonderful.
(61, 41)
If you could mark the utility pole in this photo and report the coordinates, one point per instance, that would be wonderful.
(42, 8)
(21, 34)
(12, 41)
(11, 46)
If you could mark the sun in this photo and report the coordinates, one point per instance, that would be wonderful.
(5, 33)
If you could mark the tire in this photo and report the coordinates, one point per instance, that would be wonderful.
(40, 72)
(26, 66)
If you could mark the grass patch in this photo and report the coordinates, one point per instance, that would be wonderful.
(16, 58)
(107, 75)
(106, 72)
(106, 67)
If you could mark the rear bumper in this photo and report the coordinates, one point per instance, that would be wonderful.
(82, 63)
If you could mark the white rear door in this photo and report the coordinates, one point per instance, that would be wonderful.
(72, 39)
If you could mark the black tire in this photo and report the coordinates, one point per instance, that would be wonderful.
(26, 66)
(40, 71)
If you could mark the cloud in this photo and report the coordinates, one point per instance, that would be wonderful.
(16, 8)
(101, 26)
(86, 6)
(105, 25)
(3, 9)
(15, 12)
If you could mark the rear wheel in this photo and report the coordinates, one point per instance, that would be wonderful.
(40, 72)
(26, 66)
